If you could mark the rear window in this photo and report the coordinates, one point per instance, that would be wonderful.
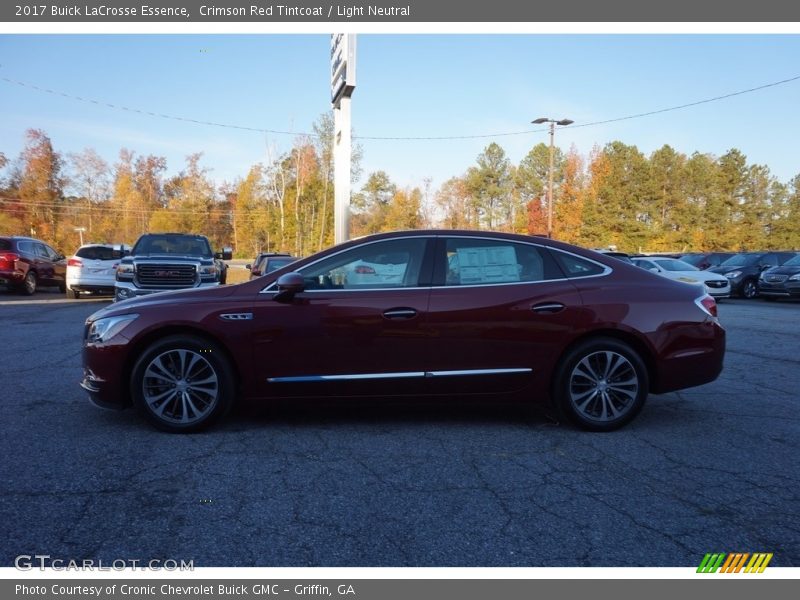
(273, 264)
(6, 245)
(97, 253)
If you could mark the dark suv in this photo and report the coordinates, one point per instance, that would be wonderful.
(27, 263)
(706, 260)
(267, 262)
(744, 269)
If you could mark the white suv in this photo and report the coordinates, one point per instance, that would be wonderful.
(92, 269)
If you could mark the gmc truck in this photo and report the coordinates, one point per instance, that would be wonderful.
(169, 261)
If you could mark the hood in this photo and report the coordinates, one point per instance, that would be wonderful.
(727, 269)
(163, 299)
(784, 270)
(162, 257)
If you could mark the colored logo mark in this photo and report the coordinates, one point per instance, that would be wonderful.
(734, 562)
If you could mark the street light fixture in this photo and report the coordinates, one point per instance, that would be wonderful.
(553, 123)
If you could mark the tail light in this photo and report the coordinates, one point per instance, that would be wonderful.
(74, 262)
(7, 260)
(364, 270)
(707, 304)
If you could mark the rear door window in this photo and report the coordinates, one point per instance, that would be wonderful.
(483, 261)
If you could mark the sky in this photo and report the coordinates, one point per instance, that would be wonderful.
(424, 85)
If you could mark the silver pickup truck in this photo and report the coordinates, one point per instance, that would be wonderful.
(169, 261)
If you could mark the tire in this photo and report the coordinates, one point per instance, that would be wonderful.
(749, 289)
(161, 384)
(29, 284)
(62, 287)
(73, 293)
(598, 376)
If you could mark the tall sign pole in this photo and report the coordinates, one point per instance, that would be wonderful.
(343, 82)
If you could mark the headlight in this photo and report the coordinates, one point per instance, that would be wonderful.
(124, 271)
(795, 277)
(733, 274)
(208, 270)
(103, 330)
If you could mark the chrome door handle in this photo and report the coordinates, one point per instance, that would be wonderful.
(548, 307)
(400, 313)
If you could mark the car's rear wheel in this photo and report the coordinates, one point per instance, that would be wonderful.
(601, 384)
(29, 284)
(182, 383)
(74, 293)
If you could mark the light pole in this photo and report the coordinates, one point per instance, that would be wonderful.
(80, 231)
(553, 123)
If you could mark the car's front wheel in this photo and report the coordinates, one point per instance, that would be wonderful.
(182, 383)
(749, 289)
(601, 384)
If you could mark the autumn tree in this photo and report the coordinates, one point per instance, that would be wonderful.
(41, 184)
(371, 204)
(490, 184)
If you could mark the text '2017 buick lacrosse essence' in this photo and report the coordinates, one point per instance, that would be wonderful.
(417, 313)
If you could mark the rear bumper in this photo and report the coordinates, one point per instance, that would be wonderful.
(697, 365)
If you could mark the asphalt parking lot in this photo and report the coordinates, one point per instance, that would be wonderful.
(711, 469)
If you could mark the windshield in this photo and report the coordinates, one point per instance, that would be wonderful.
(740, 260)
(793, 262)
(692, 259)
(184, 245)
(671, 264)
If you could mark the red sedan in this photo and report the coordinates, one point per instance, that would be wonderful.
(418, 313)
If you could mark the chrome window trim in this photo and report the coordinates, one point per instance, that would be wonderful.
(606, 269)
(401, 375)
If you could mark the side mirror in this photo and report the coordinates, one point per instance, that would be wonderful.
(227, 253)
(289, 284)
(248, 266)
(764, 267)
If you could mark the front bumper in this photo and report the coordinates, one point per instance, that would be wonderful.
(785, 289)
(102, 393)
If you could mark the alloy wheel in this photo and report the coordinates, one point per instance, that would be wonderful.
(603, 386)
(180, 386)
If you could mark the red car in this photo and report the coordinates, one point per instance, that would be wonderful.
(418, 313)
(27, 263)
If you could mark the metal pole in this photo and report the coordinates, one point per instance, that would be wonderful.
(550, 185)
(341, 177)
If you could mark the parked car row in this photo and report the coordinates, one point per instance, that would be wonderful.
(158, 262)
(774, 274)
